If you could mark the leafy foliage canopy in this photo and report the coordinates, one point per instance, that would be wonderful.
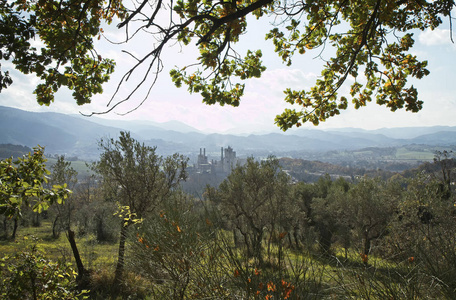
(372, 41)
(22, 182)
(66, 57)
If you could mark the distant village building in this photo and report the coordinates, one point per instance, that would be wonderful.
(228, 160)
(202, 164)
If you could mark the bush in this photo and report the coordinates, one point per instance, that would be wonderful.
(30, 275)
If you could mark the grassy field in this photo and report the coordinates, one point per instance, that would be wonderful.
(219, 273)
(79, 166)
(318, 277)
(406, 154)
(93, 254)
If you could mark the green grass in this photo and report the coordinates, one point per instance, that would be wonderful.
(79, 166)
(326, 276)
(403, 153)
(93, 254)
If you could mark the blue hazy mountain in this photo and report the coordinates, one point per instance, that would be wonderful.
(79, 136)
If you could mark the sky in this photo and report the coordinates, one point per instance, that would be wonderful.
(263, 98)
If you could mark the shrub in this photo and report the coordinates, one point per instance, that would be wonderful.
(30, 275)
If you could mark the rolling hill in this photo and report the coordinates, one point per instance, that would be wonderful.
(77, 136)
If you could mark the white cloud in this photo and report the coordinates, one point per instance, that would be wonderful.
(435, 37)
(277, 80)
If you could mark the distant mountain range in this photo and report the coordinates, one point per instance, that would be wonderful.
(77, 136)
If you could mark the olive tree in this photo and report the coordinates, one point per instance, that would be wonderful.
(423, 232)
(369, 210)
(139, 179)
(252, 200)
(63, 173)
(23, 184)
(325, 211)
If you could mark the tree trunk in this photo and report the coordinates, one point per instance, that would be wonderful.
(13, 235)
(296, 238)
(367, 243)
(55, 232)
(120, 260)
(100, 229)
(5, 227)
(271, 235)
(237, 243)
(257, 240)
(36, 220)
(76, 255)
(290, 241)
(247, 243)
(325, 239)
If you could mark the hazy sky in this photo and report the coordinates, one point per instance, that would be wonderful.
(263, 98)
